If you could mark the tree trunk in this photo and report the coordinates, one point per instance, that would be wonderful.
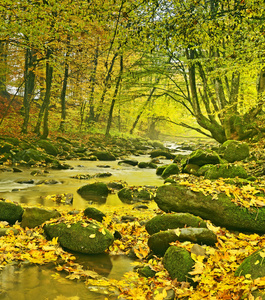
(114, 97)
(93, 84)
(142, 110)
(29, 77)
(49, 73)
(3, 68)
(106, 87)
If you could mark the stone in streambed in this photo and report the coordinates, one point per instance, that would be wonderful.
(178, 262)
(35, 216)
(94, 213)
(10, 212)
(83, 237)
(173, 221)
(160, 241)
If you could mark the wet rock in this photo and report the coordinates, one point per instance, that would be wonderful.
(130, 195)
(127, 219)
(48, 181)
(253, 265)
(94, 213)
(30, 181)
(104, 155)
(131, 162)
(145, 165)
(48, 147)
(178, 262)
(10, 212)
(171, 169)
(84, 237)
(146, 271)
(232, 150)
(173, 221)
(90, 158)
(191, 169)
(17, 170)
(35, 216)
(116, 185)
(203, 157)
(225, 171)
(160, 241)
(30, 156)
(161, 169)
(157, 153)
(102, 175)
(60, 166)
(97, 191)
(37, 173)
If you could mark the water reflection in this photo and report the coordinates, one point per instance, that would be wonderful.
(31, 282)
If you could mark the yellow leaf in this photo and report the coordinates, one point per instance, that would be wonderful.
(54, 241)
(248, 276)
(92, 236)
(257, 262)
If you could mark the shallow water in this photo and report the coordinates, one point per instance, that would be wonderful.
(32, 282)
(34, 193)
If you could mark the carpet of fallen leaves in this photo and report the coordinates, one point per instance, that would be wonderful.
(213, 273)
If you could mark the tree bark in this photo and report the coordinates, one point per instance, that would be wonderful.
(114, 96)
(29, 78)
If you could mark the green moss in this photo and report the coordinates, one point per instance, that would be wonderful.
(170, 170)
(226, 171)
(173, 221)
(178, 263)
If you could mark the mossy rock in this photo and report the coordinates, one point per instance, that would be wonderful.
(48, 147)
(160, 241)
(104, 155)
(30, 156)
(131, 162)
(171, 169)
(161, 169)
(253, 265)
(130, 195)
(145, 165)
(10, 212)
(35, 216)
(146, 271)
(191, 169)
(83, 237)
(173, 221)
(232, 150)
(5, 147)
(95, 191)
(203, 157)
(202, 170)
(126, 195)
(225, 171)
(157, 153)
(178, 262)
(94, 213)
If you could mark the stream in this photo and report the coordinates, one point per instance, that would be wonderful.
(31, 282)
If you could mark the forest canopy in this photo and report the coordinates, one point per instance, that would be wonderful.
(134, 65)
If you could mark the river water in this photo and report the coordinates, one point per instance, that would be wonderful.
(29, 282)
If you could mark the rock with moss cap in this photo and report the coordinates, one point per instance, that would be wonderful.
(10, 212)
(232, 150)
(104, 155)
(83, 237)
(253, 265)
(203, 157)
(226, 171)
(97, 191)
(178, 262)
(173, 221)
(48, 146)
(171, 169)
(35, 216)
(94, 213)
(160, 241)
